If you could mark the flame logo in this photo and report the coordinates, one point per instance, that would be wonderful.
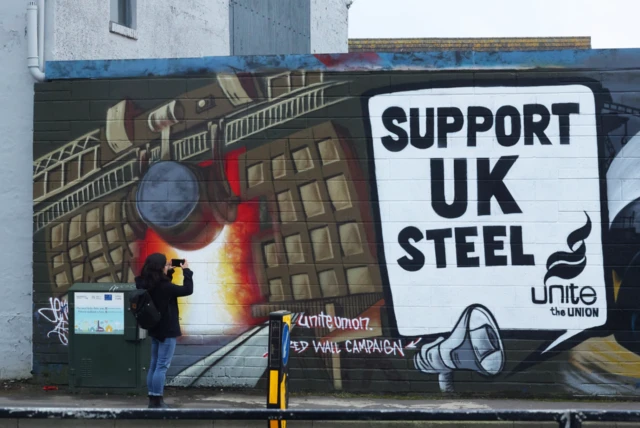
(568, 265)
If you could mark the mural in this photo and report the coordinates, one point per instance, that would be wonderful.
(429, 233)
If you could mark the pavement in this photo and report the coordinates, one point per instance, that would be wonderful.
(22, 395)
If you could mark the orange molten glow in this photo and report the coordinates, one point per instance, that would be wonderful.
(234, 272)
(238, 285)
(152, 243)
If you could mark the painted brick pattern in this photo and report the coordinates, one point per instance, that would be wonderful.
(497, 44)
(470, 231)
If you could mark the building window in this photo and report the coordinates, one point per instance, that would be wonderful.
(123, 18)
(125, 13)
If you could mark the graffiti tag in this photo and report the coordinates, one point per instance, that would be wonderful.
(368, 346)
(333, 322)
(57, 314)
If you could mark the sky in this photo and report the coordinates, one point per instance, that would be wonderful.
(611, 24)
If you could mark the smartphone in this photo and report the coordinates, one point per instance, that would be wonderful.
(177, 262)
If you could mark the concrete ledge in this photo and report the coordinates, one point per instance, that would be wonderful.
(262, 424)
(239, 414)
(27, 423)
(589, 59)
(335, 418)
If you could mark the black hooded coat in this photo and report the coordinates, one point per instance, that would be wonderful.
(165, 296)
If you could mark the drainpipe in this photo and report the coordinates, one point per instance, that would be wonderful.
(35, 50)
(41, 34)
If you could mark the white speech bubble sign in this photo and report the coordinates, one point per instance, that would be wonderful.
(555, 183)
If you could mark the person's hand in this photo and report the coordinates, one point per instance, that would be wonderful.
(185, 265)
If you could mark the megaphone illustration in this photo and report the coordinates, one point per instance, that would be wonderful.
(474, 344)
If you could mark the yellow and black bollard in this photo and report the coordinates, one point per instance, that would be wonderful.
(279, 342)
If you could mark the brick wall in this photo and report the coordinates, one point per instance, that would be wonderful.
(471, 231)
(479, 44)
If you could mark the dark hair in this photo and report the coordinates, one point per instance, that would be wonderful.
(153, 270)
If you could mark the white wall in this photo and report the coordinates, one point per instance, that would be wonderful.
(166, 29)
(329, 26)
(16, 160)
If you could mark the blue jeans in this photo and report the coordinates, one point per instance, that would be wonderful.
(161, 355)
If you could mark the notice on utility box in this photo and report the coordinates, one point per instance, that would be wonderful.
(99, 313)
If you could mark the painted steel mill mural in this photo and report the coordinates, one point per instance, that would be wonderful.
(430, 231)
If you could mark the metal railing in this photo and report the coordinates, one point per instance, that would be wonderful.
(65, 153)
(191, 146)
(120, 177)
(297, 104)
(62, 161)
(564, 418)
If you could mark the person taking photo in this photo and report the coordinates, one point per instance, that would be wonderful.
(156, 279)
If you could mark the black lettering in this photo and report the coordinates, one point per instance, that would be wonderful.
(563, 110)
(556, 287)
(490, 184)
(572, 292)
(444, 127)
(473, 126)
(389, 117)
(438, 236)
(532, 128)
(518, 258)
(516, 126)
(540, 301)
(459, 205)
(491, 245)
(416, 262)
(463, 248)
(419, 141)
(588, 295)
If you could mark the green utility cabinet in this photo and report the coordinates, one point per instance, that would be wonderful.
(108, 352)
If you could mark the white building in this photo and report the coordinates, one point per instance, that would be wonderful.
(119, 29)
